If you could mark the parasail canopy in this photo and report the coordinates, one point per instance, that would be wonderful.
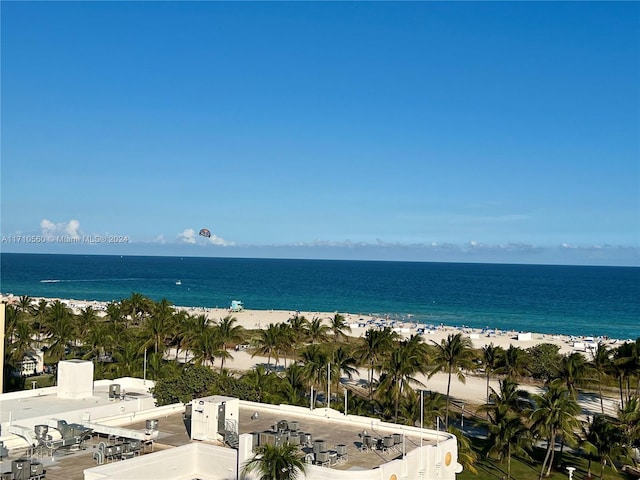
(205, 233)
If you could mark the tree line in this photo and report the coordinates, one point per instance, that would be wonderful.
(304, 355)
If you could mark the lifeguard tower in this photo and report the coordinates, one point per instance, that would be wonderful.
(236, 306)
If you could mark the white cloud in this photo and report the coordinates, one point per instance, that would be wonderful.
(47, 227)
(70, 228)
(159, 239)
(188, 236)
(216, 240)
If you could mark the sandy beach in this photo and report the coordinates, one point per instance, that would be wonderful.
(473, 391)
(257, 319)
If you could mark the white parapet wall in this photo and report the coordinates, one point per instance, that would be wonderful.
(437, 460)
(75, 379)
(195, 460)
(211, 462)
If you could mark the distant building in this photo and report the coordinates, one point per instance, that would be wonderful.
(32, 364)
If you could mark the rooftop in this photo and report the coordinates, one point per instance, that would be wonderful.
(28, 404)
(116, 414)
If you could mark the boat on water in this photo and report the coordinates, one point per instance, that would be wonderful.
(179, 282)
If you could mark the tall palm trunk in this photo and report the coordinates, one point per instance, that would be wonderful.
(600, 391)
(487, 388)
(621, 394)
(553, 454)
(561, 450)
(397, 402)
(446, 415)
(547, 455)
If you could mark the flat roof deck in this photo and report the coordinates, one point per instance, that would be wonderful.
(174, 432)
(45, 402)
(334, 433)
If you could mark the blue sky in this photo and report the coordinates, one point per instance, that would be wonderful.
(497, 132)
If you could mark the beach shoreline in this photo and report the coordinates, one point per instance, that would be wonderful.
(472, 391)
(251, 319)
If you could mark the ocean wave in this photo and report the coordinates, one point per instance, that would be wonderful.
(93, 280)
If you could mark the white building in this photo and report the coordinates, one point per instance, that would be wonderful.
(32, 364)
(334, 444)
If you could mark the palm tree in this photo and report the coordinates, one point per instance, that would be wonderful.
(128, 360)
(453, 354)
(400, 368)
(295, 384)
(344, 363)
(507, 432)
(510, 396)
(61, 330)
(603, 440)
(626, 363)
(629, 421)
(194, 327)
(12, 316)
(555, 415)
(508, 435)
(207, 347)
(300, 327)
(40, 312)
(600, 365)
(22, 341)
(24, 304)
(317, 331)
(116, 316)
(513, 363)
(273, 462)
(261, 379)
(315, 360)
(98, 341)
(376, 345)
(268, 342)
(228, 333)
(337, 326)
(136, 307)
(158, 368)
(286, 341)
(466, 454)
(571, 371)
(86, 320)
(490, 357)
(177, 331)
(435, 406)
(158, 325)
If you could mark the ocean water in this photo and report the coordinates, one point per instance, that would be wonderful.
(573, 300)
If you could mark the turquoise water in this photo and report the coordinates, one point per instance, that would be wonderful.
(573, 300)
